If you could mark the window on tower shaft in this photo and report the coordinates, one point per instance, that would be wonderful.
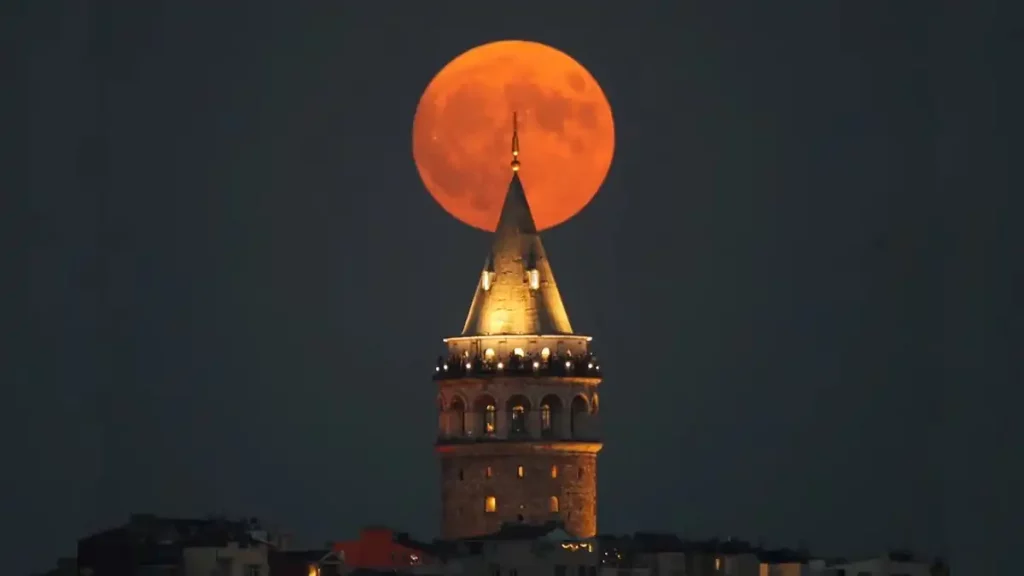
(518, 420)
(491, 419)
(534, 276)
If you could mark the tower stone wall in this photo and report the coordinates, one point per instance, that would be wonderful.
(465, 487)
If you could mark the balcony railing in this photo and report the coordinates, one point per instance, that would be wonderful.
(564, 366)
(455, 426)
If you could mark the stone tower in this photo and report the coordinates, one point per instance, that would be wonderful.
(518, 432)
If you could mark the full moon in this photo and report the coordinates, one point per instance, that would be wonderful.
(462, 133)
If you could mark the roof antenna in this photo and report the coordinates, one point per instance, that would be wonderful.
(515, 143)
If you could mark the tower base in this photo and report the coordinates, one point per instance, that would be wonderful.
(484, 485)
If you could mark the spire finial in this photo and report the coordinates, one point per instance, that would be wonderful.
(515, 143)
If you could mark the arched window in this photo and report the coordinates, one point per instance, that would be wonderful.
(491, 419)
(554, 471)
(519, 352)
(578, 416)
(489, 353)
(485, 411)
(457, 417)
(553, 504)
(545, 353)
(518, 409)
(550, 411)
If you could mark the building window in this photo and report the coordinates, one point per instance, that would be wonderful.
(491, 419)
(519, 352)
(461, 475)
(545, 353)
(487, 472)
(534, 279)
(491, 504)
(314, 570)
(579, 473)
(554, 471)
(518, 420)
(553, 504)
(489, 353)
(520, 472)
(718, 563)
(545, 418)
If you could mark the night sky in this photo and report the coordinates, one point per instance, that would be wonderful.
(224, 285)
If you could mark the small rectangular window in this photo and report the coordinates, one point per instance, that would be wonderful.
(491, 504)
(554, 471)
(520, 472)
(487, 472)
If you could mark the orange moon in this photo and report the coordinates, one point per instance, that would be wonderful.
(462, 133)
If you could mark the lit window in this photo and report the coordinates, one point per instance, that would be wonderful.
(314, 570)
(520, 472)
(491, 504)
(491, 419)
(487, 472)
(545, 417)
(518, 420)
(554, 471)
(519, 352)
(489, 353)
(545, 353)
(485, 280)
(534, 279)
(718, 563)
(553, 504)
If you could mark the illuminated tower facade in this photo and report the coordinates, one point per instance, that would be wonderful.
(518, 428)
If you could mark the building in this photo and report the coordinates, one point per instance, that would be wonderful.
(154, 545)
(528, 550)
(382, 549)
(220, 558)
(893, 563)
(305, 563)
(518, 433)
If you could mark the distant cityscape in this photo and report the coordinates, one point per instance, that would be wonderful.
(149, 545)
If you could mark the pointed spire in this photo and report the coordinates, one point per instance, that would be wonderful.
(517, 293)
(515, 143)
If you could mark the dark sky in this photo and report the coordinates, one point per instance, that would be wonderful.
(224, 285)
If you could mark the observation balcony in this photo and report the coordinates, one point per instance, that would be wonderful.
(456, 426)
(528, 365)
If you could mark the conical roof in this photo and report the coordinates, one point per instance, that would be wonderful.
(505, 302)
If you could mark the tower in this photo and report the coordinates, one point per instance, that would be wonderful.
(518, 432)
